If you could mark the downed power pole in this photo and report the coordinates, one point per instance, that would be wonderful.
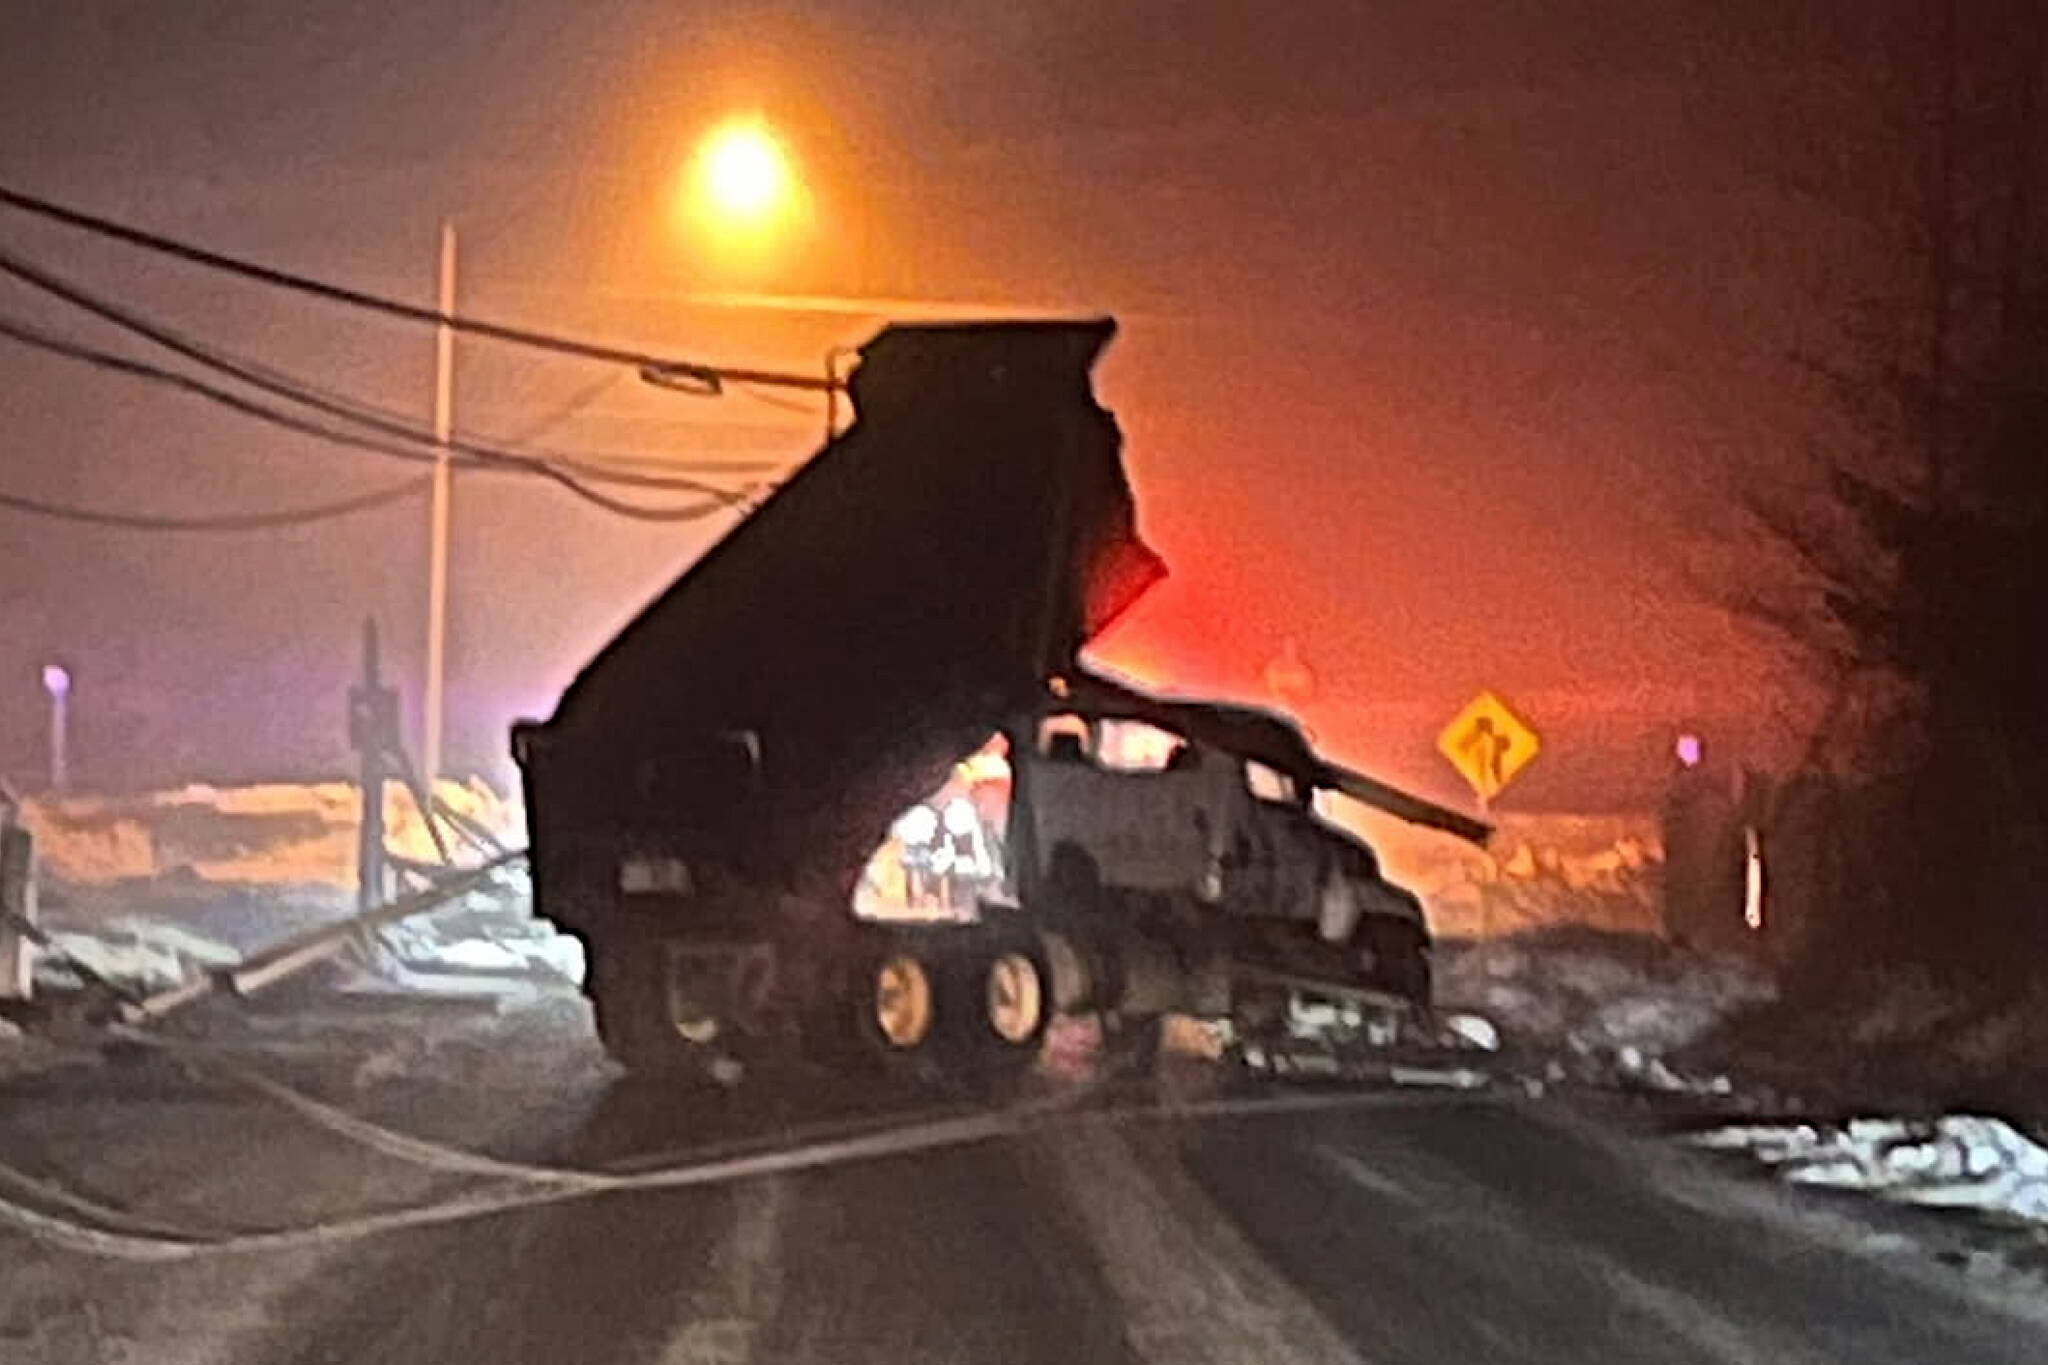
(268, 966)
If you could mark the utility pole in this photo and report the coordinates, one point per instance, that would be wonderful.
(374, 734)
(372, 727)
(437, 572)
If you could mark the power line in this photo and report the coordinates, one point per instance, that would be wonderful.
(296, 390)
(610, 467)
(229, 521)
(709, 379)
(784, 404)
(37, 339)
(567, 408)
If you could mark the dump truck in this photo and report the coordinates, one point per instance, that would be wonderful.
(705, 799)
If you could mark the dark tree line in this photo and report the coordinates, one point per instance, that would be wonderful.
(1919, 546)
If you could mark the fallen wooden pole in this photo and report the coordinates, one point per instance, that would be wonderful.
(268, 966)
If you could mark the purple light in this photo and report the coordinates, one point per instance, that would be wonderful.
(1689, 750)
(56, 680)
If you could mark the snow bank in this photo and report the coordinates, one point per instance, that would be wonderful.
(154, 889)
(275, 834)
(483, 943)
(1599, 871)
(1605, 990)
(146, 955)
(1958, 1161)
(478, 940)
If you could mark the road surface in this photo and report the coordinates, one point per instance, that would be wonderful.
(1368, 1225)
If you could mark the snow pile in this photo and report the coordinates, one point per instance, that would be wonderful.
(1958, 1161)
(475, 942)
(1539, 871)
(1606, 990)
(484, 944)
(1608, 1007)
(141, 954)
(272, 834)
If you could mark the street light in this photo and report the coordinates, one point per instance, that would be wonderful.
(745, 172)
(57, 683)
(743, 187)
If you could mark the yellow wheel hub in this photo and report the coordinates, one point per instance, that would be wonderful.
(1016, 998)
(903, 1001)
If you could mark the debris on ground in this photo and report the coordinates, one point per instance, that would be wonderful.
(1598, 1007)
(1182, 1035)
(1472, 1030)
(479, 937)
(481, 945)
(1958, 1161)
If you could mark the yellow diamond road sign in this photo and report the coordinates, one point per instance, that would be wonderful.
(1488, 744)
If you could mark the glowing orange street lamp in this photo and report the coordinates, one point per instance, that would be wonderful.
(743, 185)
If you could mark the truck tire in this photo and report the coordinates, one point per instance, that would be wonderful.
(910, 998)
(629, 990)
(629, 1001)
(1009, 983)
(962, 1009)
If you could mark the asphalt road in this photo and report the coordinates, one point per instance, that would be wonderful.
(1378, 1226)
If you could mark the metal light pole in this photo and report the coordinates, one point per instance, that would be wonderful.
(437, 572)
(57, 682)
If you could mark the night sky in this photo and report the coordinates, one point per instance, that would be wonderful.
(1448, 331)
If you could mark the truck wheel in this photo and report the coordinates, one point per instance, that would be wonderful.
(631, 997)
(955, 1009)
(629, 1000)
(1011, 985)
(1017, 999)
(911, 1009)
(903, 1000)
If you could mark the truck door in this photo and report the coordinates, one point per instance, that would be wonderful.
(1285, 875)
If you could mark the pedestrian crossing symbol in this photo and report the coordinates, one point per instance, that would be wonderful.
(1488, 744)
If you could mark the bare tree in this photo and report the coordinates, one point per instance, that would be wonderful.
(1913, 561)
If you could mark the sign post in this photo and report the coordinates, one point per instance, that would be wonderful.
(1489, 745)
